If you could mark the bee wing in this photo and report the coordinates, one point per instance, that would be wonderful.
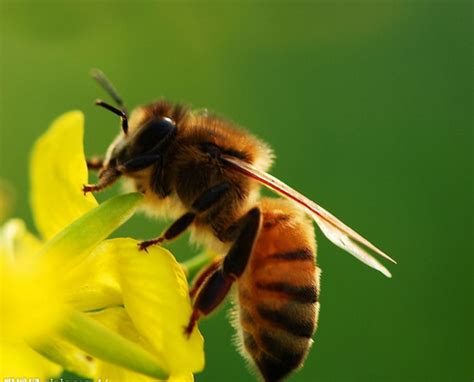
(336, 231)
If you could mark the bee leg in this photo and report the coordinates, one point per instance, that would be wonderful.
(217, 285)
(237, 258)
(106, 178)
(139, 163)
(204, 275)
(209, 297)
(210, 197)
(202, 203)
(178, 227)
(95, 163)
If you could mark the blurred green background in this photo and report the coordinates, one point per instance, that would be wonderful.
(368, 106)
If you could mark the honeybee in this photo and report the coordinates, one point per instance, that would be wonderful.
(206, 173)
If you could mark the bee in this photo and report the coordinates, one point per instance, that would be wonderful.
(206, 173)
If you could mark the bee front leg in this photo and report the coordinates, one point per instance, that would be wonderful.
(106, 178)
(139, 163)
(202, 203)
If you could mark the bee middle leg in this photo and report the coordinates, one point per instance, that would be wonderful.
(216, 287)
(205, 201)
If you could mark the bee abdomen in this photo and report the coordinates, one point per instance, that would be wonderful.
(290, 319)
(280, 354)
(278, 340)
(272, 355)
(277, 325)
(302, 294)
(278, 292)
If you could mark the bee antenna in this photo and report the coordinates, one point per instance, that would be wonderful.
(103, 81)
(123, 116)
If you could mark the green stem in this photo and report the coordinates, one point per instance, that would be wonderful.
(195, 264)
(103, 343)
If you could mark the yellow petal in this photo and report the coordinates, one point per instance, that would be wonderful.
(94, 283)
(17, 241)
(30, 304)
(58, 170)
(118, 320)
(156, 297)
(18, 360)
(31, 300)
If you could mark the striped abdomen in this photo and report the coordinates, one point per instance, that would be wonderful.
(278, 292)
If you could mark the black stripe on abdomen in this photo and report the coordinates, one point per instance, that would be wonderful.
(298, 255)
(290, 320)
(306, 294)
(280, 357)
(250, 343)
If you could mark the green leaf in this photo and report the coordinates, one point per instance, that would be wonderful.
(68, 356)
(77, 240)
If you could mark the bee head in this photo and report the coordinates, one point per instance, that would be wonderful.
(148, 136)
(145, 135)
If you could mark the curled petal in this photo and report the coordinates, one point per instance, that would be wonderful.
(156, 297)
(94, 282)
(57, 171)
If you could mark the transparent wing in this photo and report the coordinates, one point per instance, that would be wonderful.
(335, 230)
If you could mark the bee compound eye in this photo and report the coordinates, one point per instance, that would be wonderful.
(153, 132)
(168, 120)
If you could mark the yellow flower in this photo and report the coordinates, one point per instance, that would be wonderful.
(73, 295)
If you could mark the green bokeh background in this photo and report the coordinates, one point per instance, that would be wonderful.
(369, 108)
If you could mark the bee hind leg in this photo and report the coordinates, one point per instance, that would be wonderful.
(209, 297)
(216, 287)
(203, 276)
(248, 227)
